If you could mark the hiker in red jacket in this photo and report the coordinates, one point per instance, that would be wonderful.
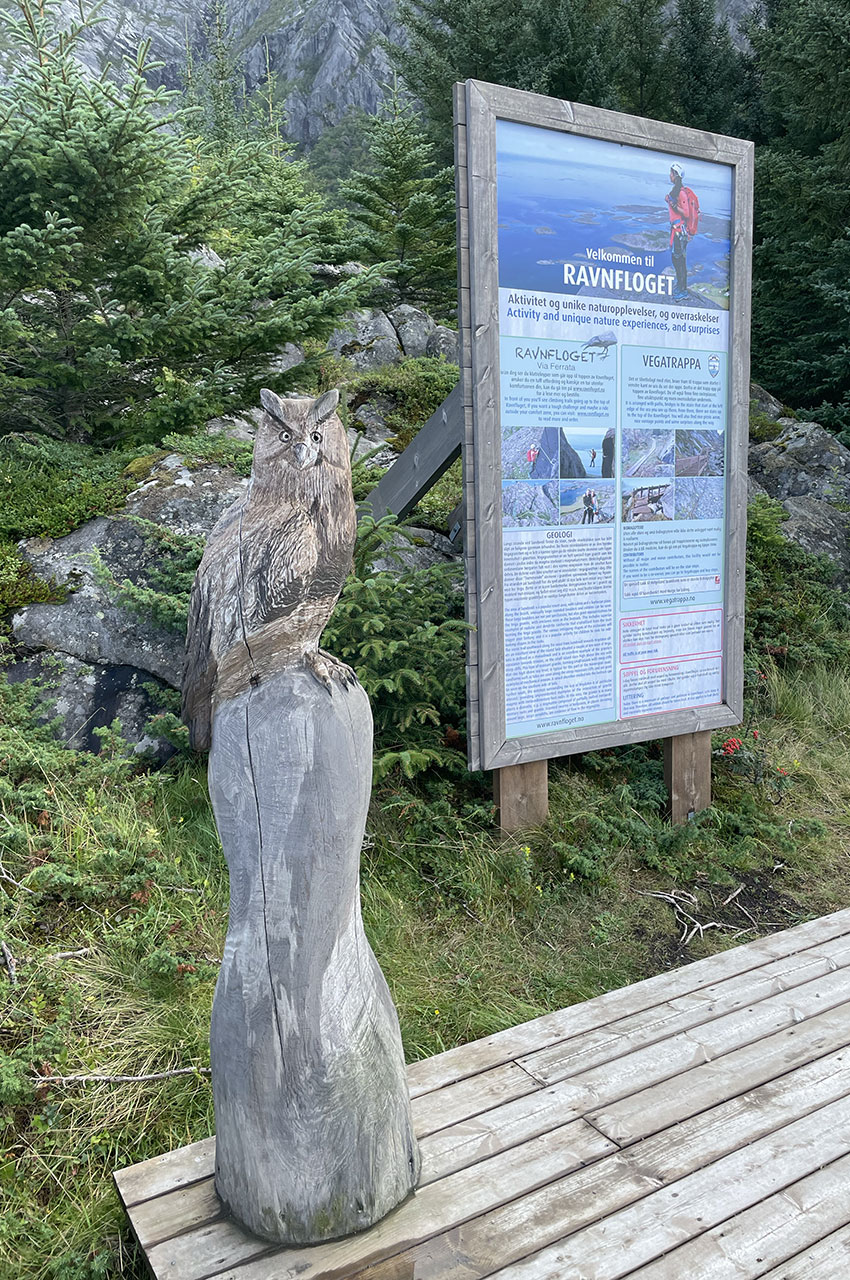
(683, 207)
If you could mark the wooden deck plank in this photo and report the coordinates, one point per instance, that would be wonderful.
(468, 1097)
(665, 1219)
(586, 1196)
(167, 1172)
(829, 1259)
(822, 1044)
(444, 1203)
(503, 1046)
(710, 1038)
(651, 1109)
(193, 1206)
(682, 1013)
(767, 1235)
(642, 1067)
(465, 1137)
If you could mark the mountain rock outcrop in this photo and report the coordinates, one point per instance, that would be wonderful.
(326, 55)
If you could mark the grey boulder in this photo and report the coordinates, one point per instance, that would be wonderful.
(95, 655)
(443, 343)
(83, 696)
(808, 471)
(414, 327)
(368, 340)
(804, 460)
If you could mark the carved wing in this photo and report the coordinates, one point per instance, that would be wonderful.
(199, 666)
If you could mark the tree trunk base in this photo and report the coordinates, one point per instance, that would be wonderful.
(314, 1138)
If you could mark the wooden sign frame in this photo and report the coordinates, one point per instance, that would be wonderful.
(477, 108)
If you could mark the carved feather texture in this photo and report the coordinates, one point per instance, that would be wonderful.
(276, 561)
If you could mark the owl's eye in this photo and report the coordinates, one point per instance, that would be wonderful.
(284, 436)
(316, 437)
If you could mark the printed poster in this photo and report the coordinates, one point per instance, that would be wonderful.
(614, 377)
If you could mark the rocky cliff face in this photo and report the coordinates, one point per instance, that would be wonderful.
(326, 54)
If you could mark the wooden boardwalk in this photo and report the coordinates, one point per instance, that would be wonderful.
(695, 1126)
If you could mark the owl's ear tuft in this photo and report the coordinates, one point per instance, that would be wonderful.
(272, 403)
(324, 406)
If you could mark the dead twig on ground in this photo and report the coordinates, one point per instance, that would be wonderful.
(105, 1079)
(689, 924)
(4, 875)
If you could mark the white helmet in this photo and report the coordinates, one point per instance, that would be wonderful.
(676, 168)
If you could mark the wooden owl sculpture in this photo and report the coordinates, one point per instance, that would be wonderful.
(275, 562)
(314, 1135)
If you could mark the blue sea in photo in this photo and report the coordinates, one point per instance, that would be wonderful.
(560, 195)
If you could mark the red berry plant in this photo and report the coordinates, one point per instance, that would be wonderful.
(748, 757)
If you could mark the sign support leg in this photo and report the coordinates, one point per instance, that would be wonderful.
(687, 774)
(521, 792)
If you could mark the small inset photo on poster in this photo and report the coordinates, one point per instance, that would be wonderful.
(530, 504)
(647, 500)
(587, 504)
(583, 452)
(530, 453)
(648, 453)
(700, 499)
(700, 453)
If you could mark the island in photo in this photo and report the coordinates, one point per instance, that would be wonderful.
(530, 453)
(648, 453)
(700, 499)
(700, 453)
(529, 504)
(587, 504)
(645, 500)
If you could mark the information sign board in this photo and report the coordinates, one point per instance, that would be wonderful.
(605, 275)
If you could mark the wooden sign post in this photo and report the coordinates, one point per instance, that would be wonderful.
(604, 281)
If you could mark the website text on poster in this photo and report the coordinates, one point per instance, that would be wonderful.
(614, 266)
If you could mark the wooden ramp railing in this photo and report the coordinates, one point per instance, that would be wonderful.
(428, 456)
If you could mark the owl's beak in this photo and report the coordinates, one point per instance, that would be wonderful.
(305, 455)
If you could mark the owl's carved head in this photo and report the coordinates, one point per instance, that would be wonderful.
(300, 434)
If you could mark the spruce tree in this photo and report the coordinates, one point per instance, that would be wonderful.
(644, 78)
(565, 48)
(341, 149)
(801, 300)
(112, 324)
(704, 68)
(403, 212)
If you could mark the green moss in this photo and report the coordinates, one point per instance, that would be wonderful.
(763, 428)
(50, 487)
(19, 585)
(141, 467)
(200, 448)
(416, 387)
